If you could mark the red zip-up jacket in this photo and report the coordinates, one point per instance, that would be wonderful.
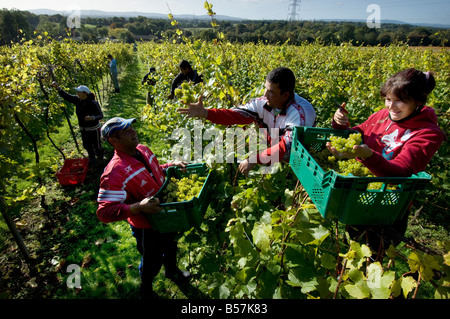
(400, 148)
(126, 181)
(298, 112)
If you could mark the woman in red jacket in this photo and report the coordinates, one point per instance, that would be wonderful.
(401, 139)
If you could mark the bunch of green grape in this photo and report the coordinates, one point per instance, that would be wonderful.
(346, 167)
(353, 167)
(342, 166)
(345, 145)
(325, 159)
(184, 189)
(186, 94)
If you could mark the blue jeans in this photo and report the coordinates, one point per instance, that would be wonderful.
(115, 81)
(156, 249)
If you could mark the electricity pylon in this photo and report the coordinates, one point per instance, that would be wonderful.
(295, 4)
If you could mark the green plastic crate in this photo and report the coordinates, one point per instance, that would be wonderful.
(182, 216)
(346, 198)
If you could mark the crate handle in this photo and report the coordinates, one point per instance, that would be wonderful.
(165, 210)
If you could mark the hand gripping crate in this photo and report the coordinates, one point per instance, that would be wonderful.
(182, 216)
(73, 171)
(346, 198)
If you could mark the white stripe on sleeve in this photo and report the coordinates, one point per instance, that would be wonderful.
(111, 196)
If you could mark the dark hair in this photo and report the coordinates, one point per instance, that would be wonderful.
(410, 84)
(284, 77)
(185, 64)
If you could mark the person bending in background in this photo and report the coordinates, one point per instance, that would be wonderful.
(149, 81)
(89, 115)
(186, 74)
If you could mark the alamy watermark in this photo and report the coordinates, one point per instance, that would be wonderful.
(74, 279)
(374, 19)
(73, 12)
(238, 143)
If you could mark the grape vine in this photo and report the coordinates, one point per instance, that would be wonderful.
(31, 110)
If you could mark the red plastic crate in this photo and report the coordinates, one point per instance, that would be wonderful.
(73, 171)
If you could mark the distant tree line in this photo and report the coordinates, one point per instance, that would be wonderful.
(297, 32)
(16, 25)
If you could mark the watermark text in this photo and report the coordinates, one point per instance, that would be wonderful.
(374, 19)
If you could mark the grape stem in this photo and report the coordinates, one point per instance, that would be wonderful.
(341, 275)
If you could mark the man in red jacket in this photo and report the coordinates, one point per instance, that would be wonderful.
(279, 110)
(127, 185)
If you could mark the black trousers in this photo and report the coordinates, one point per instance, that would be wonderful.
(391, 232)
(92, 143)
(157, 249)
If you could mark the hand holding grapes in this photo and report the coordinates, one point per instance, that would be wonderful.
(362, 151)
(349, 147)
(245, 167)
(195, 109)
(340, 116)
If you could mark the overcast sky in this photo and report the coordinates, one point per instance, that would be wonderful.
(413, 11)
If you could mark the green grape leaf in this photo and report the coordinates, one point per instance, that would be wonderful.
(312, 234)
(405, 284)
(442, 293)
(250, 287)
(328, 261)
(267, 284)
(357, 255)
(391, 252)
(273, 267)
(447, 258)
(378, 282)
(303, 277)
(358, 290)
(355, 275)
(423, 263)
(242, 262)
(294, 255)
(289, 197)
(244, 275)
(224, 292)
(261, 236)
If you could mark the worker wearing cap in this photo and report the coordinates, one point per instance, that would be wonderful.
(127, 185)
(89, 115)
